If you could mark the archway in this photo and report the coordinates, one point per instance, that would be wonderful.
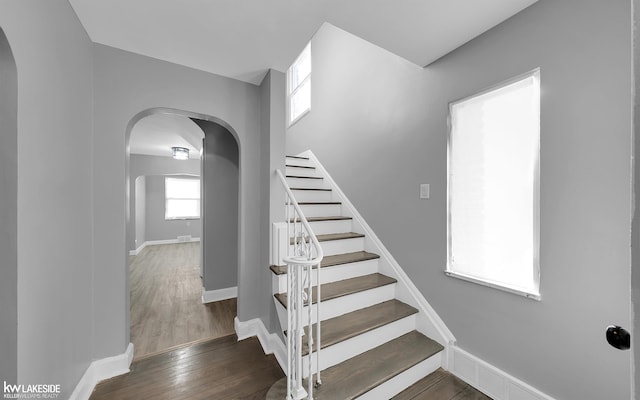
(219, 239)
(8, 212)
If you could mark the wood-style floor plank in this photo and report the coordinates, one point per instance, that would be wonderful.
(166, 300)
(221, 368)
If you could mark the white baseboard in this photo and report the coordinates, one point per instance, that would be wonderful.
(100, 370)
(156, 242)
(271, 342)
(489, 379)
(209, 296)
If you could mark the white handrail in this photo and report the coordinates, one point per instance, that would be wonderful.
(300, 288)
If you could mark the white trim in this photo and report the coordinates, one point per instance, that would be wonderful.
(499, 286)
(271, 343)
(100, 370)
(156, 242)
(491, 380)
(209, 296)
(446, 336)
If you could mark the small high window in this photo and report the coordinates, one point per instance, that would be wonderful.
(299, 86)
(493, 187)
(182, 198)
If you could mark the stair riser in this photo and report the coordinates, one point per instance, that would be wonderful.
(307, 183)
(342, 305)
(402, 381)
(324, 227)
(342, 246)
(312, 195)
(335, 354)
(301, 171)
(299, 161)
(320, 210)
(346, 304)
(332, 274)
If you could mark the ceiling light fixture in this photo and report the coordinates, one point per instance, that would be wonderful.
(180, 153)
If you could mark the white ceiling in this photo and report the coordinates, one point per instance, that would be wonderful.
(156, 134)
(243, 38)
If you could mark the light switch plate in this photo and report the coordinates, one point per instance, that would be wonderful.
(425, 190)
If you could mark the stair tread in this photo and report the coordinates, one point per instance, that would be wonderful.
(347, 326)
(330, 261)
(322, 219)
(303, 177)
(314, 189)
(299, 166)
(339, 236)
(314, 203)
(362, 373)
(345, 287)
(298, 157)
(368, 370)
(335, 236)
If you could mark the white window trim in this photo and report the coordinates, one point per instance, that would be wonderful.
(534, 295)
(291, 93)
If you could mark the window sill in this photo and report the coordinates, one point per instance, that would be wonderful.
(519, 292)
(299, 117)
(183, 219)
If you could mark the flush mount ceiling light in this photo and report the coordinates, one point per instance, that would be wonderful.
(180, 153)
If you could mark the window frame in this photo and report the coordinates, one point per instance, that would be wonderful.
(533, 294)
(167, 198)
(291, 91)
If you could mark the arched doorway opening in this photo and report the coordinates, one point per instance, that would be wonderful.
(176, 303)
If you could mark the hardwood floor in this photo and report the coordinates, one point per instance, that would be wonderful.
(166, 304)
(217, 369)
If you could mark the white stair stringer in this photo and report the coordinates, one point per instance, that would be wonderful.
(428, 321)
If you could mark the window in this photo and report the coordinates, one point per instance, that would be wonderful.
(182, 198)
(299, 86)
(493, 187)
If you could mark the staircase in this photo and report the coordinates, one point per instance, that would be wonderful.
(373, 319)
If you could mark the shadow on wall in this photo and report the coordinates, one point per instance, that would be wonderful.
(8, 213)
(220, 212)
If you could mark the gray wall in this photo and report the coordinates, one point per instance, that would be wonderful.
(272, 93)
(379, 126)
(635, 232)
(127, 85)
(220, 196)
(157, 227)
(8, 213)
(143, 165)
(53, 55)
(140, 211)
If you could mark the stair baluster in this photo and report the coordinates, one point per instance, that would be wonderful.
(304, 253)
